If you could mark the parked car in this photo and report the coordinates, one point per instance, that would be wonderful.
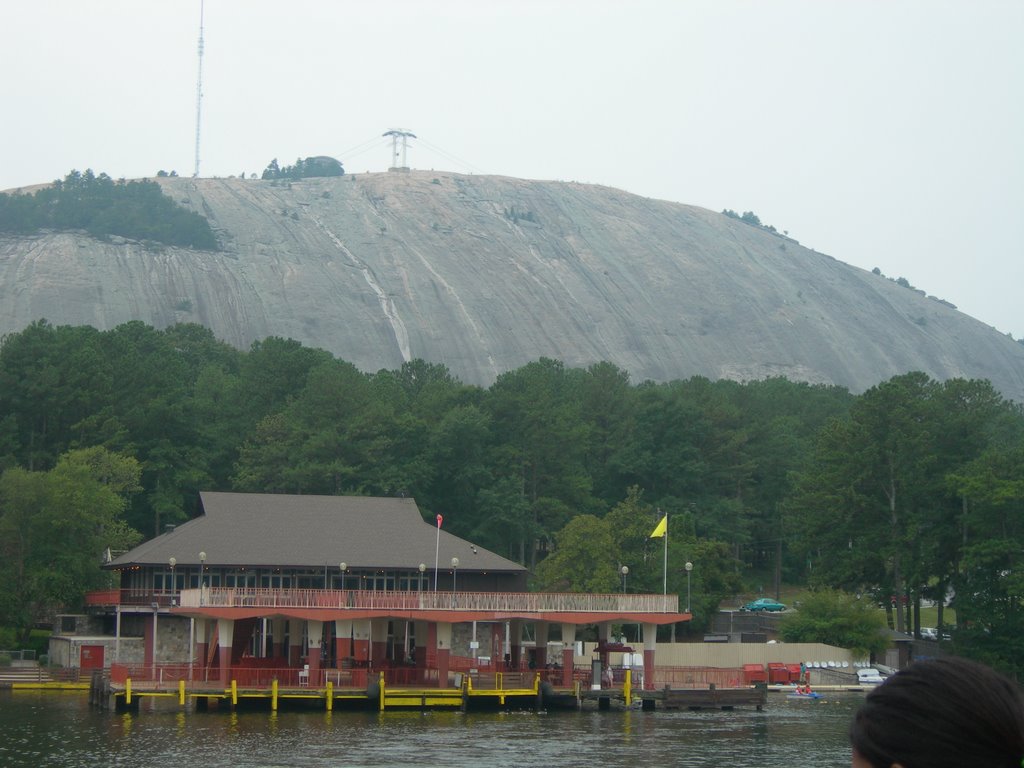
(763, 604)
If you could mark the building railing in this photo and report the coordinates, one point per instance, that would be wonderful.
(160, 598)
(501, 602)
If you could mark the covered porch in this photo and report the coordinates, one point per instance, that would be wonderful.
(349, 637)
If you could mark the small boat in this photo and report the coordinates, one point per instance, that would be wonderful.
(811, 695)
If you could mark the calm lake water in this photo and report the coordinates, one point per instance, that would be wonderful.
(60, 729)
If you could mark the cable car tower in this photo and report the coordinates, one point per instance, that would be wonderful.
(396, 134)
(199, 89)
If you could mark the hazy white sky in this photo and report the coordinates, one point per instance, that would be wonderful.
(885, 133)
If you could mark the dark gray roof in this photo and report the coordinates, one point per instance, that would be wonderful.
(282, 531)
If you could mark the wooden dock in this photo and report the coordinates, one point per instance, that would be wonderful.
(755, 696)
(376, 696)
(466, 697)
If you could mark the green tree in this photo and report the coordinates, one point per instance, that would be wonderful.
(631, 521)
(989, 582)
(583, 560)
(458, 448)
(54, 527)
(535, 415)
(608, 410)
(836, 618)
(715, 576)
(103, 207)
(51, 380)
(872, 473)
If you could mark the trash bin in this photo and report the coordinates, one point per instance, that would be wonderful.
(778, 673)
(754, 673)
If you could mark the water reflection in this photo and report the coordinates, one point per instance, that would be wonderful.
(64, 731)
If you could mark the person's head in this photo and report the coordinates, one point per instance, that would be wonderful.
(938, 713)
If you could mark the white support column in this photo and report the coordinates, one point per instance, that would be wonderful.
(315, 634)
(378, 640)
(650, 644)
(225, 640)
(294, 642)
(568, 653)
(444, 649)
(540, 638)
(343, 640)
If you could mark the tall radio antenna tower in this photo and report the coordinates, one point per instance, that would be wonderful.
(199, 88)
(396, 134)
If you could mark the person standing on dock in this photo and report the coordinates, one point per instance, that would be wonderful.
(941, 713)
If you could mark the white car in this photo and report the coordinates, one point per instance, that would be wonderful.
(869, 676)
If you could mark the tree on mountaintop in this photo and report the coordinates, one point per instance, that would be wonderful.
(102, 207)
(307, 168)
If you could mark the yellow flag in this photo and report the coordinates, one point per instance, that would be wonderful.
(661, 529)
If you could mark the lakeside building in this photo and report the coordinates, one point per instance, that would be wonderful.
(329, 588)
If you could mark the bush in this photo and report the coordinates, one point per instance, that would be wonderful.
(5, 660)
(39, 641)
(836, 618)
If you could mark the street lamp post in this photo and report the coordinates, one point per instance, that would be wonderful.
(455, 567)
(624, 570)
(688, 567)
(202, 576)
(423, 568)
(343, 567)
(173, 561)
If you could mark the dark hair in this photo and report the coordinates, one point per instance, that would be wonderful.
(942, 712)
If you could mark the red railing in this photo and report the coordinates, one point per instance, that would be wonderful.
(103, 597)
(106, 597)
(700, 677)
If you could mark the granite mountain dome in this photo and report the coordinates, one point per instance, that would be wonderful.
(485, 274)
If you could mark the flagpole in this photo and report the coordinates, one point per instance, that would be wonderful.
(664, 578)
(661, 529)
(437, 550)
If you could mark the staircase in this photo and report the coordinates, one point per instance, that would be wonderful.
(23, 672)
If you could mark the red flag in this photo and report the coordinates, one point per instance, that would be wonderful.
(439, 519)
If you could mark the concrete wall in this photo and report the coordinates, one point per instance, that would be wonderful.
(172, 642)
(65, 650)
(731, 655)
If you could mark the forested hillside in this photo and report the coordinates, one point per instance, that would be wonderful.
(103, 207)
(913, 488)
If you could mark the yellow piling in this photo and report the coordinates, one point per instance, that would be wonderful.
(273, 695)
(499, 679)
(627, 687)
(382, 692)
(234, 693)
(536, 683)
(181, 693)
(128, 690)
(330, 695)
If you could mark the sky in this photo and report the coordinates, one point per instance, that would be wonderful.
(885, 133)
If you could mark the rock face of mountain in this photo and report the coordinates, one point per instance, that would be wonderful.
(485, 274)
